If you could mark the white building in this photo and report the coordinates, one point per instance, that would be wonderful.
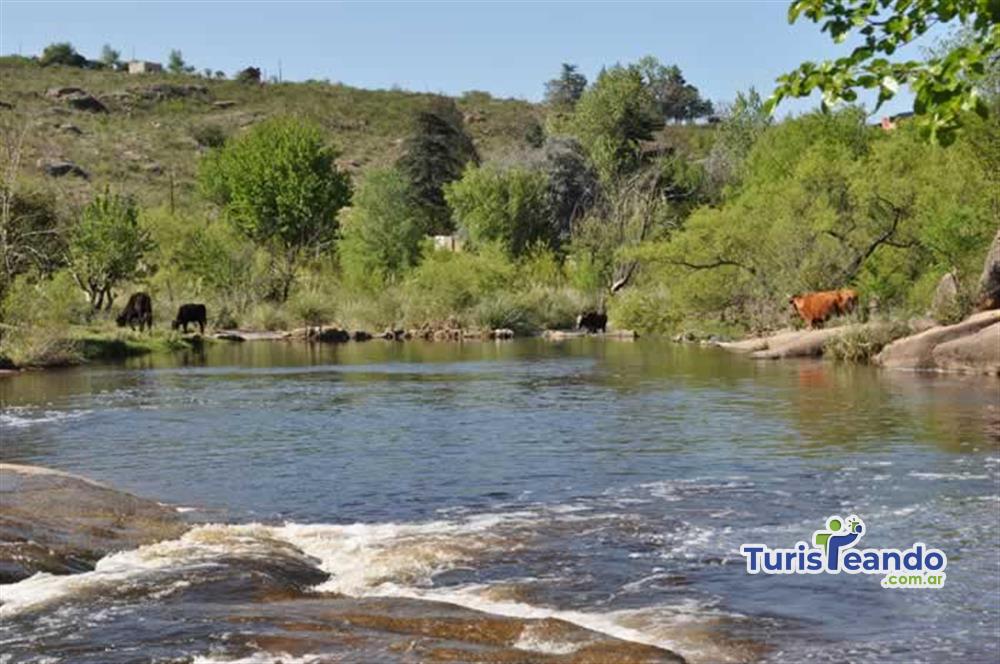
(143, 67)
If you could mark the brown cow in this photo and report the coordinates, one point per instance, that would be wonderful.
(817, 308)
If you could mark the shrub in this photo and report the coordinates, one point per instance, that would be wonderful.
(509, 207)
(447, 284)
(312, 308)
(504, 311)
(382, 232)
(643, 310)
(209, 135)
(267, 316)
(61, 53)
(36, 318)
(861, 343)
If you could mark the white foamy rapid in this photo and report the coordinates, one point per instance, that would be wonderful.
(363, 560)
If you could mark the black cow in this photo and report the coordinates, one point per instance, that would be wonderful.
(592, 321)
(190, 313)
(138, 311)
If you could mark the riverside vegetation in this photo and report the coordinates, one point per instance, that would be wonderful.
(282, 205)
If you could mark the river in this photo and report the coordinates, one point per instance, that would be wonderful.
(609, 484)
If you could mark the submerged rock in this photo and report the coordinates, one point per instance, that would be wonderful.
(60, 523)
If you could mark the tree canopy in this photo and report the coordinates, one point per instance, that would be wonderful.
(435, 154)
(564, 91)
(279, 185)
(945, 83)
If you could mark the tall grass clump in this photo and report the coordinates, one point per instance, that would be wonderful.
(861, 343)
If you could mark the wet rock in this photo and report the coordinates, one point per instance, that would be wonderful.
(989, 280)
(410, 630)
(230, 336)
(502, 333)
(58, 168)
(918, 351)
(331, 335)
(393, 335)
(361, 335)
(61, 523)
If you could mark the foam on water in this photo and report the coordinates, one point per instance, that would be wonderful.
(17, 417)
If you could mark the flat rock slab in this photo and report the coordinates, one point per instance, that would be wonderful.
(962, 347)
(51, 521)
(787, 344)
(416, 630)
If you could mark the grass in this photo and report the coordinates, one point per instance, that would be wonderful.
(122, 146)
(862, 343)
(48, 347)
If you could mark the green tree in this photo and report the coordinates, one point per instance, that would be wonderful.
(176, 64)
(508, 207)
(612, 117)
(563, 92)
(279, 185)
(945, 83)
(107, 247)
(32, 235)
(676, 99)
(109, 56)
(61, 53)
(573, 183)
(382, 233)
(743, 122)
(434, 155)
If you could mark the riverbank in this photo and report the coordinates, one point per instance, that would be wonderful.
(64, 538)
(84, 345)
(970, 346)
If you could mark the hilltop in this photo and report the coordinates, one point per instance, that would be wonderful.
(156, 125)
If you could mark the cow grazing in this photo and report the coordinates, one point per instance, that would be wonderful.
(592, 322)
(817, 308)
(138, 311)
(190, 313)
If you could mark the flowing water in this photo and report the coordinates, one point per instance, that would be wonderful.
(608, 484)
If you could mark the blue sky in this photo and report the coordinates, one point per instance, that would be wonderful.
(506, 48)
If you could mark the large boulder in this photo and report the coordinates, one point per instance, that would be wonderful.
(944, 305)
(975, 353)
(59, 523)
(918, 351)
(989, 281)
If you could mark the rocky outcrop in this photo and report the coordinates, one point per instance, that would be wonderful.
(989, 280)
(58, 168)
(944, 305)
(975, 353)
(77, 98)
(969, 346)
(60, 523)
(785, 343)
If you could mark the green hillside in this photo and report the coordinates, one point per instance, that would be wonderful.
(149, 132)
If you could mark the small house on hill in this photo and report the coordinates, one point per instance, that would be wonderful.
(143, 67)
